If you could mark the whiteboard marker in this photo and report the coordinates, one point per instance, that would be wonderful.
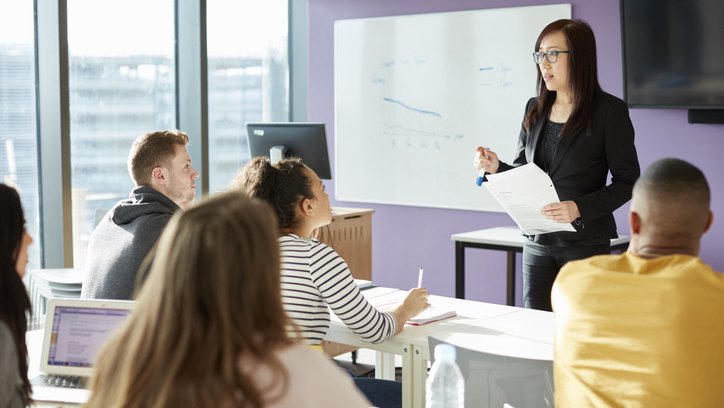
(481, 178)
(481, 173)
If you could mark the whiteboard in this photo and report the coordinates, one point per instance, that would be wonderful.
(414, 95)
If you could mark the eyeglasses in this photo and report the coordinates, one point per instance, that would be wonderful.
(550, 56)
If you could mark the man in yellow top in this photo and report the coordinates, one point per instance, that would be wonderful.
(645, 328)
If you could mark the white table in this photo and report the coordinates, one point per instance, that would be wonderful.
(508, 239)
(481, 326)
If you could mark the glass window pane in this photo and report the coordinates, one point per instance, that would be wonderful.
(18, 133)
(248, 73)
(121, 57)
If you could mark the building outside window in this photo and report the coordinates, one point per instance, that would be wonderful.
(18, 130)
(248, 73)
(122, 85)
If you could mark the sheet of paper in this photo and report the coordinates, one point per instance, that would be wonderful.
(522, 192)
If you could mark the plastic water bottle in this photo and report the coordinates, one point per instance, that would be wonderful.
(445, 384)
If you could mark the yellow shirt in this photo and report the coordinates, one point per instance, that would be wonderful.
(635, 332)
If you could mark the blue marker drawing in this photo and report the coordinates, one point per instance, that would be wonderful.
(408, 107)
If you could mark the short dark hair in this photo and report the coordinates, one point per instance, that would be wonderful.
(582, 76)
(152, 150)
(282, 185)
(674, 179)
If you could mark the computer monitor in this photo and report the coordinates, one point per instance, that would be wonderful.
(307, 141)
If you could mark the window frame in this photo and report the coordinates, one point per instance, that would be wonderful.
(53, 113)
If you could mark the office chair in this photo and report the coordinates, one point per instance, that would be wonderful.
(494, 380)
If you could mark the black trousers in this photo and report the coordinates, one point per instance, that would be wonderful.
(542, 262)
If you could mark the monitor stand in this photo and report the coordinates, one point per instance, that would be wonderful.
(276, 154)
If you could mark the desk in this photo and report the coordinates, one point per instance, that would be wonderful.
(508, 239)
(495, 328)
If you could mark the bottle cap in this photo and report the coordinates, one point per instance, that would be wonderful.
(445, 352)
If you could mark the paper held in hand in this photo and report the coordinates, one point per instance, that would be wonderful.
(523, 192)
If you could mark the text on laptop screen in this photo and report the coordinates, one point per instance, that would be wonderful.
(80, 332)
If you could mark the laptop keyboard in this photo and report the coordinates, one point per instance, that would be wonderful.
(62, 381)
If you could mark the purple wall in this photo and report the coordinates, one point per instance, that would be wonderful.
(407, 237)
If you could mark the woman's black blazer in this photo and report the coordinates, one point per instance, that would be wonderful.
(581, 164)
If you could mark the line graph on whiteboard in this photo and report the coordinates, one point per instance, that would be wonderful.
(409, 122)
(414, 126)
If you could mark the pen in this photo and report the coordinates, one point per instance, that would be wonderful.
(420, 272)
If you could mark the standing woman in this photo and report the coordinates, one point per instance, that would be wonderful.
(14, 301)
(209, 329)
(576, 133)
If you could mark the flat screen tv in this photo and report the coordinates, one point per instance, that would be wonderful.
(308, 141)
(673, 53)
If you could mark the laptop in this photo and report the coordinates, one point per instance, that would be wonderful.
(75, 332)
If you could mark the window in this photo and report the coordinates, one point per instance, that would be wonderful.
(121, 79)
(248, 77)
(18, 132)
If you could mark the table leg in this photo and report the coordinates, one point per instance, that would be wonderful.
(407, 380)
(459, 270)
(384, 366)
(419, 377)
(511, 279)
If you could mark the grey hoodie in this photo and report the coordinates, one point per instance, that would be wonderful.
(121, 240)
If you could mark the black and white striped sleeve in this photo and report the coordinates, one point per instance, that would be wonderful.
(334, 281)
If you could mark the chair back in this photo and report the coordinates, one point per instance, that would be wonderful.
(494, 380)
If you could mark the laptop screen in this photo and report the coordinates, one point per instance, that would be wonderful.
(79, 333)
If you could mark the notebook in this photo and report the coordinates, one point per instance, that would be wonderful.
(431, 314)
(75, 332)
(386, 299)
(363, 284)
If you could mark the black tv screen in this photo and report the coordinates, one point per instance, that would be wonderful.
(673, 53)
(308, 141)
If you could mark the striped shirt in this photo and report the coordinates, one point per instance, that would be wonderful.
(315, 279)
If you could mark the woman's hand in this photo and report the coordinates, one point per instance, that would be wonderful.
(564, 212)
(486, 160)
(415, 302)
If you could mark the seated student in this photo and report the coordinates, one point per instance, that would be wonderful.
(161, 169)
(645, 328)
(14, 301)
(314, 276)
(209, 329)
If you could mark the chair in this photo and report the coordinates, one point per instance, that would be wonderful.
(44, 284)
(494, 380)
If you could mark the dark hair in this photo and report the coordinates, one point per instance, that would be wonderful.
(283, 185)
(14, 300)
(152, 150)
(674, 179)
(582, 77)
